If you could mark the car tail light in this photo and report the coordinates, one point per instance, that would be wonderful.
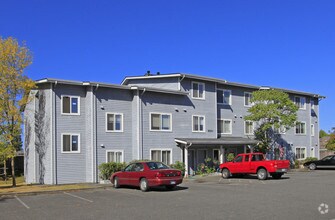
(178, 173)
(160, 174)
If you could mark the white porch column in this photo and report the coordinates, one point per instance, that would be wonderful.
(245, 149)
(186, 161)
(221, 154)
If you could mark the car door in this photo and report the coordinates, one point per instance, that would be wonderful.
(326, 162)
(245, 165)
(125, 177)
(135, 174)
(235, 166)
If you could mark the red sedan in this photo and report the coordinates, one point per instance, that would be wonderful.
(146, 175)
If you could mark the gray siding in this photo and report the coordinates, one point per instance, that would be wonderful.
(160, 83)
(114, 101)
(71, 167)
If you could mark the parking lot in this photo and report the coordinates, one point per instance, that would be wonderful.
(299, 195)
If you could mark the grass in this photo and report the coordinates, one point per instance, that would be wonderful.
(22, 187)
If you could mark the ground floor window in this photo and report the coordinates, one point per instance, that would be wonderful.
(163, 155)
(216, 154)
(114, 156)
(300, 153)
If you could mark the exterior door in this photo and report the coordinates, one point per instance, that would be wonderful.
(191, 162)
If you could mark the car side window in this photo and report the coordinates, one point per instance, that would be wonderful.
(246, 159)
(238, 159)
(327, 158)
(139, 167)
(256, 157)
(129, 168)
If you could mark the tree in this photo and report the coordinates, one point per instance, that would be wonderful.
(14, 91)
(272, 110)
(322, 133)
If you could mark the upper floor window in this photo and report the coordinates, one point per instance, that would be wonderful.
(312, 104)
(198, 90)
(160, 122)
(247, 99)
(70, 143)
(280, 130)
(300, 128)
(114, 122)
(249, 127)
(223, 96)
(114, 156)
(198, 123)
(224, 126)
(300, 102)
(70, 105)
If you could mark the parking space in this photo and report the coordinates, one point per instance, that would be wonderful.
(298, 195)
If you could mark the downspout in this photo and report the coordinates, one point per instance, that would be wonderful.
(138, 123)
(92, 132)
(51, 136)
(54, 133)
(141, 114)
(96, 134)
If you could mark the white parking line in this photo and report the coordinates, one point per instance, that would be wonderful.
(263, 182)
(125, 192)
(24, 204)
(78, 197)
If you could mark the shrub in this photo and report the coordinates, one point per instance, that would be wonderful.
(230, 157)
(107, 169)
(310, 159)
(178, 165)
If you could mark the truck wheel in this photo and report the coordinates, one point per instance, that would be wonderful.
(262, 174)
(276, 175)
(225, 173)
(312, 166)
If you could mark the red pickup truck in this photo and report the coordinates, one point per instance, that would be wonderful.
(254, 163)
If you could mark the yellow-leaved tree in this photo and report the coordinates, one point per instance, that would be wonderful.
(14, 93)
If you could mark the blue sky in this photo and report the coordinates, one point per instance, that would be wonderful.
(282, 43)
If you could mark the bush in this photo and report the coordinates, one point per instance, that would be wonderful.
(208, 167)
(310, 159)
(230, 157)
(107, 169)
(179, 166)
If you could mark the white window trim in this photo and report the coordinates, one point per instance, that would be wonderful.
(310, 152)
(295, 151)
(295, 128)
(230, 99)
(253, 128)
(122, 152)
(312, 104)
(204, 93)
(231, 125)
(250, 100)
(199, 124)
(301, 97)
(61, 105)
(70, 152)
(312, 130)
(160, 130)
(115, 131)
(162, 149)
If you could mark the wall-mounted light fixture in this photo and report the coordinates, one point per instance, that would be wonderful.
(102, 145)
(102, 107)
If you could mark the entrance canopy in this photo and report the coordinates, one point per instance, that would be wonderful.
(222, 141)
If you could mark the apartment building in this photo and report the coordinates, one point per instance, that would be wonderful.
(71, 127)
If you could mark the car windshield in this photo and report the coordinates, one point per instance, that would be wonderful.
(157, 165)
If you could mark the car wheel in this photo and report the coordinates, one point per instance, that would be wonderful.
(116, 183)
(312, 166)
(170, 187)
(262, 174)
(225, 173)
(276, 175)
(144, 186)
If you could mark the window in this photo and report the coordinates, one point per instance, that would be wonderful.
(312, 130)
(248, 127)
(238, 159)
(224, 126)
(223, 97)
(216, 154)
(198, 90)
(312, 104)
(160, 122)
(161, 156)
(312, 152)
(246, 158)
(70, 105)
(300, 102)
(280, 130)
(198, 123)
(300, 153)
(247, 99)
(114, 156)
(70, 143)
(257, 157)
(114, 122)
(300, 128)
